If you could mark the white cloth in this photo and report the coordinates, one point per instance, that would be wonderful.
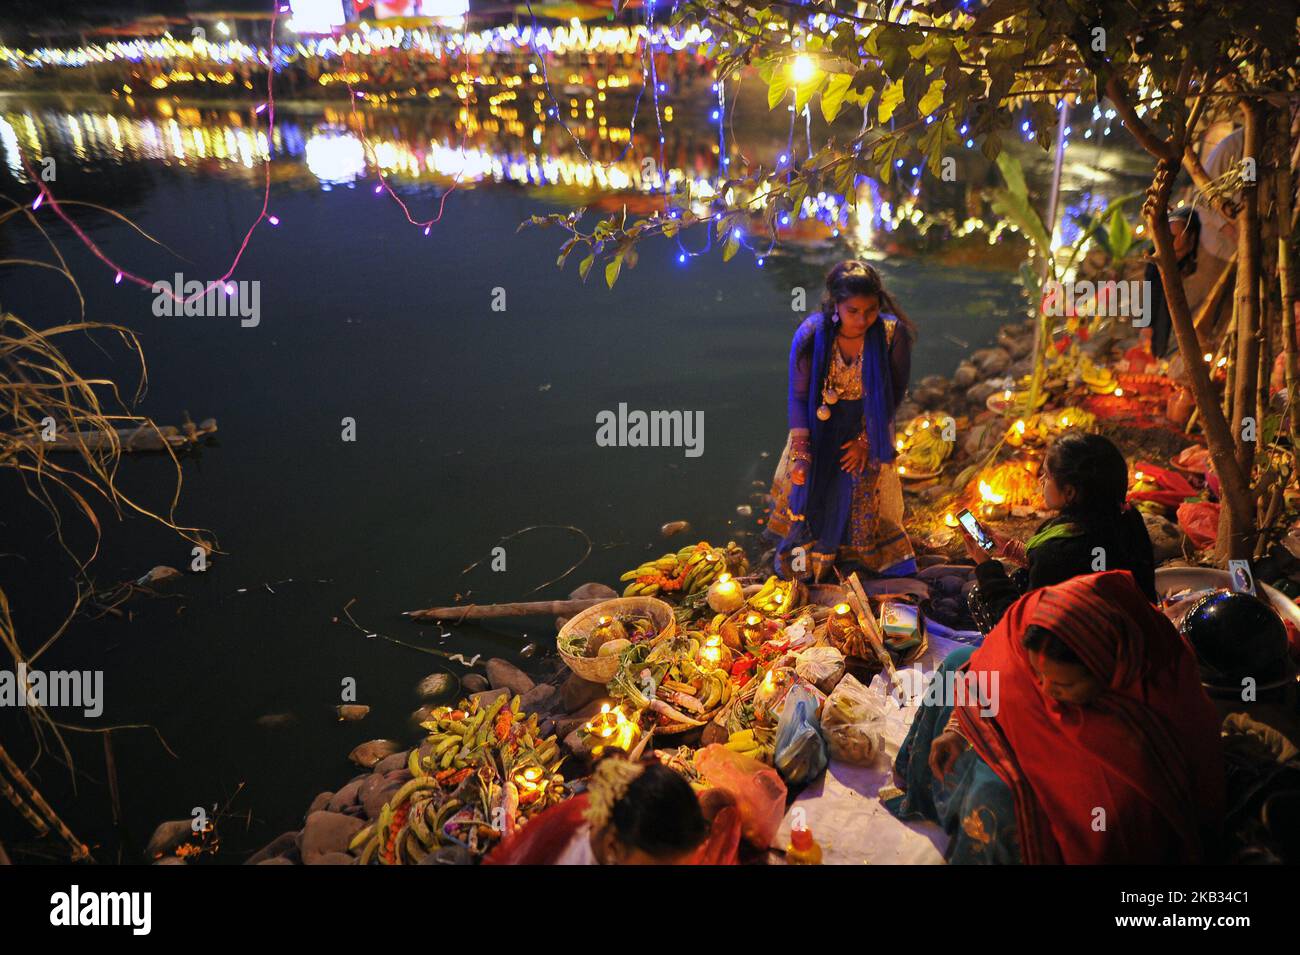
(843, 807)
(578, 851)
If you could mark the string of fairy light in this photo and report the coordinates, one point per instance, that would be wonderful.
(645, 39)
(121, 273)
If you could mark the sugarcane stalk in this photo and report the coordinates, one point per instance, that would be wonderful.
(526, 608)
(857, 599)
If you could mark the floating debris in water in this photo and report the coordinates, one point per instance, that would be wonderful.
(372, 751)
(275, 720)
(545, 387)
(157, 574)
(458, 658)
(675, 527)
(744, 510)
(529, 651)
(351, 712)
(435, 685)
(762, 454)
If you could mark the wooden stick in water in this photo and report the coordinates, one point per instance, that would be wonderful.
(527, 608)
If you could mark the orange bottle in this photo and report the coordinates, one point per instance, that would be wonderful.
(803, 849)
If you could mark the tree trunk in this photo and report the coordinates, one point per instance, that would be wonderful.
(1286, 279)
(1236, 488)
(1248, 259)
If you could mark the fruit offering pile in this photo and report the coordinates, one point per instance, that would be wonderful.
(689, 571)
(922, 447)
(480, 774)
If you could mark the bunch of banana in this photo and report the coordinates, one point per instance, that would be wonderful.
(652, 577)
(716, 690)
(1099, 379)
(702, 569)
(777, 597)
(922, 448)
(736, 559)
(758, 742)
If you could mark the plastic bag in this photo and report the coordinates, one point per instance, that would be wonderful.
(801, 753)
(820, 666)
(1200, 522)
(801, 633)
(850, 721)
(856, 743)
(757, 788)
(850, 703)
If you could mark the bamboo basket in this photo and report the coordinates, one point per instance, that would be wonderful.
(603, 669)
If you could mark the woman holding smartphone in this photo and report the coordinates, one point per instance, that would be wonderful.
(1085, 478)
(837, 495)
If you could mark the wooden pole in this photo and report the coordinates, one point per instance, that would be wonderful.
(527, 608)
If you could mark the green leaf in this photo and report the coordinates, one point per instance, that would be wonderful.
(932, 99)
(1013, 203)
(991, 147)
(612, 269)
(1119, 236)
(730, 247)
(777, 89)
(803, 92)
(585, 266)
(890, 97)
(833, 95)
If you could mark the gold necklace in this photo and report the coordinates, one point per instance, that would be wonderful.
(843, 380)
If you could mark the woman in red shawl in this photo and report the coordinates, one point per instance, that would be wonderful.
(1087, 705)
(632, 814)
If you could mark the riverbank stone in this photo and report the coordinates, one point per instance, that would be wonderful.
(167, 837)
(390, 763)
(320, 802)
(348, 795)
(502, 674)
(278, 847)
(327, 832)
(488, 697)
(575, 692)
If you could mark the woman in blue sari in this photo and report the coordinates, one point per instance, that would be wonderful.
(836, 495)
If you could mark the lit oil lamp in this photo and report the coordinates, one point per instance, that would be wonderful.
(751, 630)
(605, 630)
(531, 780)
(841, 626)
(725, 595)
(611, 729)
(714, 653)
(950, 519)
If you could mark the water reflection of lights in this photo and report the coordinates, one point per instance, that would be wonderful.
(335, 158)
(468, 149)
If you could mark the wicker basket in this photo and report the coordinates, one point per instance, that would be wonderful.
(603, 669)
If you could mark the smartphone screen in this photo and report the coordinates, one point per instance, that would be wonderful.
(975, 529)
